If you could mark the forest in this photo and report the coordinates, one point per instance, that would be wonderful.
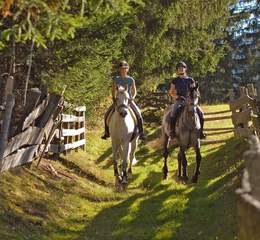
(79, 43)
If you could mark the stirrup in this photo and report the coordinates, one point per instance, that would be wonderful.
(142, 136)
(202, 135)
(105, 136)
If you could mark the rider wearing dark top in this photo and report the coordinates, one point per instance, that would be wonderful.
(182, 85)
(179, 90)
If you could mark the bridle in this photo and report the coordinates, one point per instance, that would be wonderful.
(121, 106)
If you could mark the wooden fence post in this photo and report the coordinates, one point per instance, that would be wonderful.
(258, 92)
(77, 126)
(251, 90)
(9, 99)
(249, 195)
(82, 125)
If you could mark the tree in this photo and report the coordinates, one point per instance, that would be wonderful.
(241, 62)
(77, 43)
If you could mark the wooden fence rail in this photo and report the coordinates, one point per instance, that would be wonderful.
(25, 135)
(21, 143)
(249, 195)
(245, 111)
(71, 134)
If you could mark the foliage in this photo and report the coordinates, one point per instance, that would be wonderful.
(240, 64)
(78, 43)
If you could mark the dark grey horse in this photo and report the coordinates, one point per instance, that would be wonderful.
(187, 135)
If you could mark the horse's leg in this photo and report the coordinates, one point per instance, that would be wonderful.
(132, 157)
(179, 166)
(115, 149)
(125, 157)
(198, 161)
(184, 164)
(165, 155)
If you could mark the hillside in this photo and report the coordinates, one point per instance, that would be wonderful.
(83, 205)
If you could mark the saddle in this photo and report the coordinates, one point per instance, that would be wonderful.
(132, 115)
(131, 112)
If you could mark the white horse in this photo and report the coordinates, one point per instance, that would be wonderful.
(124, 140)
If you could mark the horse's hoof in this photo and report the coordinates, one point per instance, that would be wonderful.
(194, 179)
(124, 180)
(165, 176)
(179, 178)
(129, 173)
(118, 187)
(184, 179)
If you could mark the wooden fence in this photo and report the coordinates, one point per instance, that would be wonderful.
(27, 130)
(71, 132)
(23, 132)
(160, 101)
(249, 195)
(246, 111)
(217, 116)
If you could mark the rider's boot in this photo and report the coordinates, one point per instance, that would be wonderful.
(106, 133)
(202, 135)
(173, 121)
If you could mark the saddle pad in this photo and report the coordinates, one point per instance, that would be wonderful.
(131, 113)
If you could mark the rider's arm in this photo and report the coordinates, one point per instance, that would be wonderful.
(172, 91)
(133, 89)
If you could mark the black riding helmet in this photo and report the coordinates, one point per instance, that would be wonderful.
(181, 64)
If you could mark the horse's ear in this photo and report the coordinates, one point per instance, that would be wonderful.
(117, 87)
(126, 87)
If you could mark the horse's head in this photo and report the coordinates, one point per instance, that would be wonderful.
(122, 100)
(193, 98)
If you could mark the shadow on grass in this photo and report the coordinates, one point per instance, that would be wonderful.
(213, 201)
(188, 212)
(132, 219)
(83, 172)
(104, 156)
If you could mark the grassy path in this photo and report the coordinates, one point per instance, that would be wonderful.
(36, 205)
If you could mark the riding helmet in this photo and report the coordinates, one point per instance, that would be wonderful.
(181, 64)
(123, 64)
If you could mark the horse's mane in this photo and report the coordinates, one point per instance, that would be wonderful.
(120, 89)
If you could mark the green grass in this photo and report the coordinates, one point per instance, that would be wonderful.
(36, 205)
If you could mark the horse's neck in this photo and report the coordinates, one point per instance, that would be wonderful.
(186, 119)
(122, 122)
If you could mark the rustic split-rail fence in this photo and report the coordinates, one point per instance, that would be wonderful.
(70, 135)
(39, 125)
(249, 195)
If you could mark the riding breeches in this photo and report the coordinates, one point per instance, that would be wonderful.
(176, 107)
(201, 117)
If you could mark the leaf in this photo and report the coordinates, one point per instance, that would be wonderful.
(5, 35)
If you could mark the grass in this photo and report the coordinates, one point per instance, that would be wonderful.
(36, 205)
